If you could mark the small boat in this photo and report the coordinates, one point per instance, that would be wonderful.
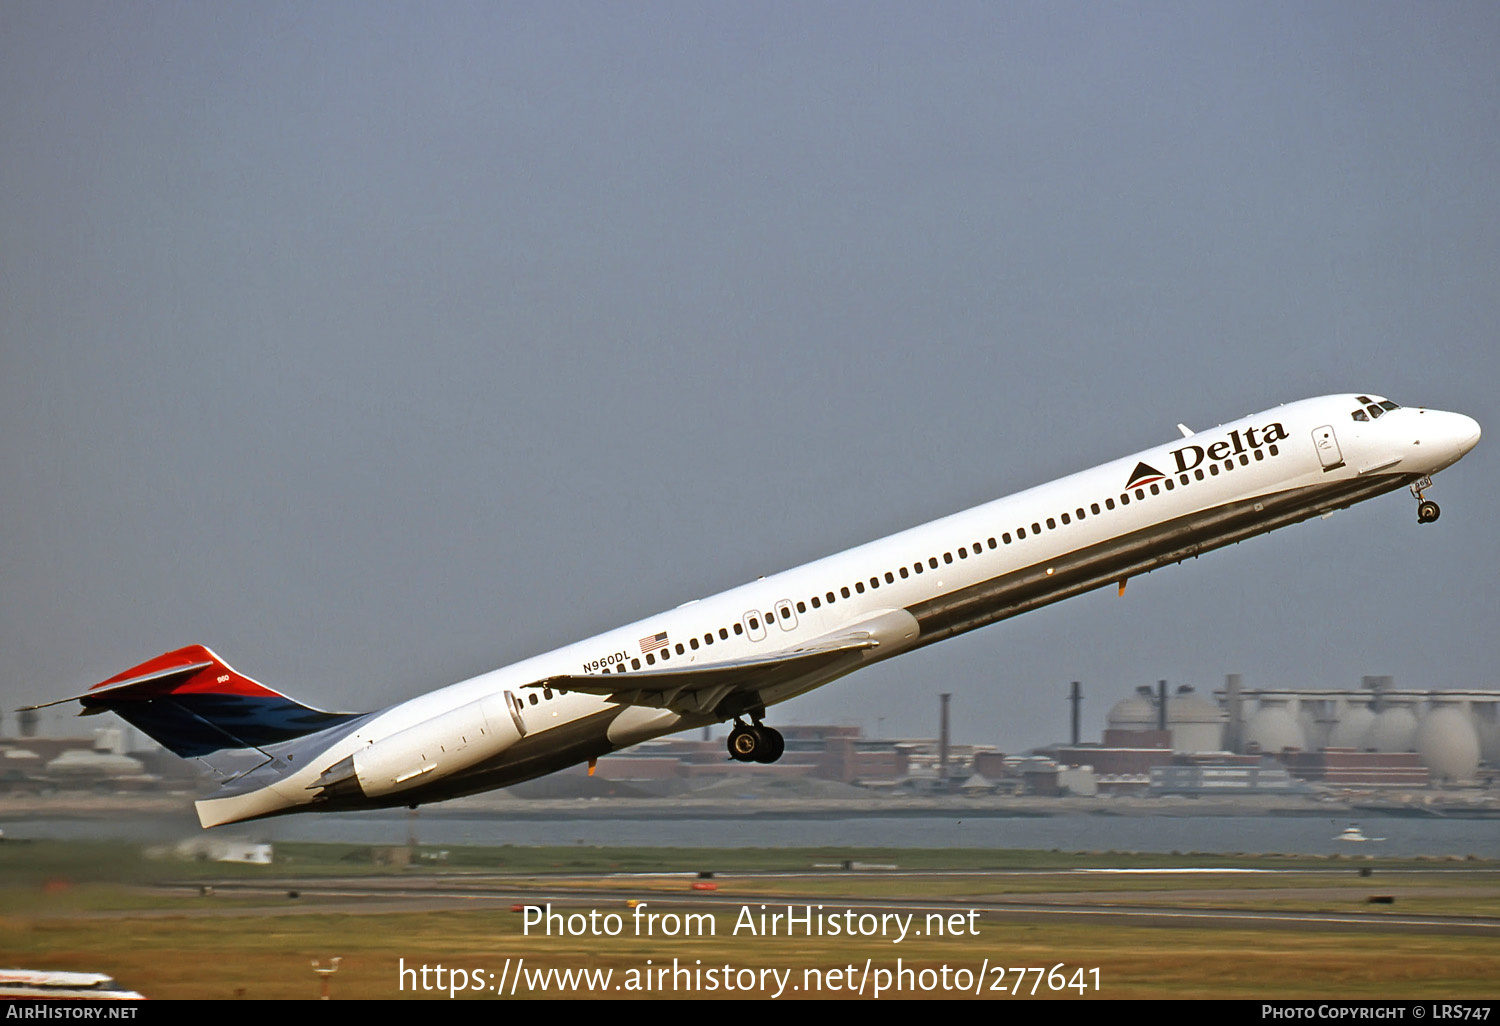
(1353, 833)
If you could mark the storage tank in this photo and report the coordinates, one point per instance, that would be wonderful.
(1355, 721)
(1274, 726)
(1137, 712)
(1395, 728)
(1197, 725)
(1448, 742)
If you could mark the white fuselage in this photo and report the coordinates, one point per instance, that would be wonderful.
(1071, 535)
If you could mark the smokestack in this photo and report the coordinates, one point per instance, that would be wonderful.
(1076, 698)
(1161, 705)
(1234, 733)
(943, 740)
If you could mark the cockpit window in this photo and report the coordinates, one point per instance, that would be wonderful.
(1359, 415)
(1362, 399)
(1388, 405)
(1375, 411)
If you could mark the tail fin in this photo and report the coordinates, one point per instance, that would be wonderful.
(194, 704)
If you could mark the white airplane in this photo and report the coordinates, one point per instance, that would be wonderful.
(735, 654)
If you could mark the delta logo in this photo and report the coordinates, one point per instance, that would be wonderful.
(1248, 440)
(1144, 474)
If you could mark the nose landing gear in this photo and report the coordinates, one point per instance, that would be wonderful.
(757, 743)
(1427, 510)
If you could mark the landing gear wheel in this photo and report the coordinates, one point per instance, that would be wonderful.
(746, 743)
(1427, 511)
(756, 744)
(774, 745)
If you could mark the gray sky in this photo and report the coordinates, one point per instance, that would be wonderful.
(378, 345)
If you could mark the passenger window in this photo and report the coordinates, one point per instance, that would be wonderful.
(1020, 532)
(859, 586)
(1066, 519)
(905, 573)
(1094, 508)
(1005, 537)
(1109, 503)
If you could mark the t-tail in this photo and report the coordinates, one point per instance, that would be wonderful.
(194, 704)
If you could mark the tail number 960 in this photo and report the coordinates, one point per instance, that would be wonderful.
(594, 666)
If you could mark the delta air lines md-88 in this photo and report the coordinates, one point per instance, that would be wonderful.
(732, 656)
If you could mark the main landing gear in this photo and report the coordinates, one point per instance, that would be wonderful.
(757, 743)
(1427, 510)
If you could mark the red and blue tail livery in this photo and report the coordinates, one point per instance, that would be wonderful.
(194, 704)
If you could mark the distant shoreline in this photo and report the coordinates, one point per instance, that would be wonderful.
(89, 805)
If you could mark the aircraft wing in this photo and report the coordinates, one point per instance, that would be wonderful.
(700, 689)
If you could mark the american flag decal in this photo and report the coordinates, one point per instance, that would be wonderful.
(654, 642)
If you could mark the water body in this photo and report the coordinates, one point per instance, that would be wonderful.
(1303, 835)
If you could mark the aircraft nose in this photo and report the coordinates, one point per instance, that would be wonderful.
(1466, 430)
(1451, 436)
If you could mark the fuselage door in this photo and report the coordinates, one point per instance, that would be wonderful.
(786, 616)
(755, 626)
(1328, 447)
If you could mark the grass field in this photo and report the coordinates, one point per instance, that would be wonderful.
(108, 908)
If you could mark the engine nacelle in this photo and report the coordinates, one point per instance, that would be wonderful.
(432, 749)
